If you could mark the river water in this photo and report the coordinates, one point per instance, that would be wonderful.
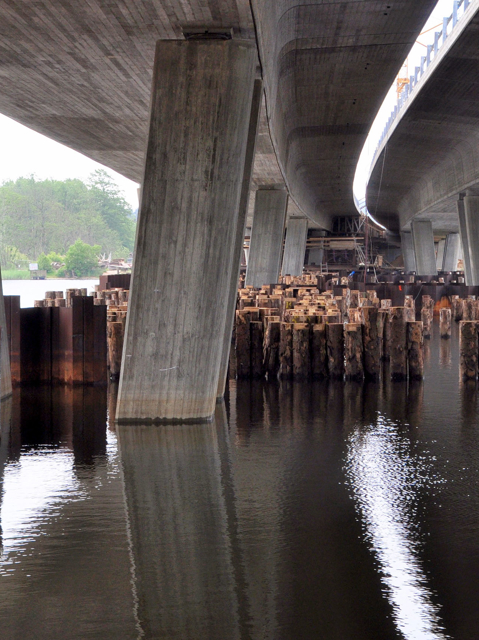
(305, 511)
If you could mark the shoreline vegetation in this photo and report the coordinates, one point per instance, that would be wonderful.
(69, 228)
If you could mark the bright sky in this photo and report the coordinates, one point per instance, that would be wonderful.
(442, 9)
(25, 152)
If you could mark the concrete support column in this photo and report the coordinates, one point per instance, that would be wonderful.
(195, 161)
(295, 247)
(267, 236)
(240, 233)
(441, 245)
(423, 239)
(408, 254)
(451, 252)
(471, 212)
(463, 232)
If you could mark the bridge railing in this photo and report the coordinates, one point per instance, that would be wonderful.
(448, 25)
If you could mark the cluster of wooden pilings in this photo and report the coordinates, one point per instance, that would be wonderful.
(299, 333)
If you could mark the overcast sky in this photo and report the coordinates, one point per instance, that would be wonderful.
(25, 152)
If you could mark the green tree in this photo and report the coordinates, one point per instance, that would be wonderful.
(82, 259)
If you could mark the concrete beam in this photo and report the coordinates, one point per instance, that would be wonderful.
(451, 252)
(295, 247)
(200, 117)
(407, 246)
(267, 237)
(423, 239)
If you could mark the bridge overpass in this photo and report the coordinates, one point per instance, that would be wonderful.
(424, 179)
(203, 103)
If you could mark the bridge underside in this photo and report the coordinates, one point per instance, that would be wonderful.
(81, 73)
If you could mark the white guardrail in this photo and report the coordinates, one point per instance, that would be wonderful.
(440, 37)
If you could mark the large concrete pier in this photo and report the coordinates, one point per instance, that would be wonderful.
(187, 229)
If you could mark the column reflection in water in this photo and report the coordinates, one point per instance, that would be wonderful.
(64, 570)
(387, 475)
(184, 581)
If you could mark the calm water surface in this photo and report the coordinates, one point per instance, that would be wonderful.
(304, 511)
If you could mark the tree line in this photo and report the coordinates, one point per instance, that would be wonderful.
(47, 217)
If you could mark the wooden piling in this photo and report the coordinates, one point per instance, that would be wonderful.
(468, 348)
(319, 352)
(398, 343)
(373, 341)
(415, 350)
(469, 310)
(115, 348)
(301, 352)
(271, 349)
(445, 323)
(256, 341)
(243, 346)
(426, 318)
(353, 351)
(335, 346)
(386, 354)
(286, 351)
(410, 307)
(456, 305)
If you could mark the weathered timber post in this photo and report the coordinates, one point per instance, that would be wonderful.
(456, 304)
(39, 303)
(427, 314)
(243, 346)
(319, 352)
(271, 349)
(469, 310)
(286, 351)
(386, 333)
(445, 323)
(354, 298)
(335, 345)
(409, 304)
(468, 346)
(355, 315)
(415, 341)
(386, 304)
(301, 351)
(398, 344)
(353, 351)
(256, 342)
(115, 348)
(373, 341)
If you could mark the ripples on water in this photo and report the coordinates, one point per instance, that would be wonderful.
(324, 510)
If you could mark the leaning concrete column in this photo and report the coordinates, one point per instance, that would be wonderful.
(240, 233)
(295, 247)
(423, 239)
(5, 374)
(463, 232)
(441, 245)
(471, 213)
(267, 236)
(407, 247)
(451, 252)
(200, 115)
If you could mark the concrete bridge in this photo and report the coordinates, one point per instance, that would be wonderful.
(204, 104)
(424, 179)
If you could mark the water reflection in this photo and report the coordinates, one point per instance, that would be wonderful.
(181, 550)
(64, 570)
(387, 476)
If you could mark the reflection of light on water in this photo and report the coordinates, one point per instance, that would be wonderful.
(385, 478)
(34, 490)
